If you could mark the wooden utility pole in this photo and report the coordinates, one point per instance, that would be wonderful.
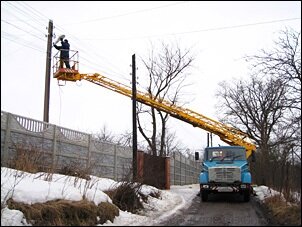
(134, 136)
(48, 70)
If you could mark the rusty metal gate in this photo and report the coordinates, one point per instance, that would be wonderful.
(154, 170)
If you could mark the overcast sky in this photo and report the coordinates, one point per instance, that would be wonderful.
(107, 34)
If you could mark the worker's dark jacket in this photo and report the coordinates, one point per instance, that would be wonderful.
(64, 49)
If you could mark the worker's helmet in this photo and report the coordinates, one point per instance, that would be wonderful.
(65, 40)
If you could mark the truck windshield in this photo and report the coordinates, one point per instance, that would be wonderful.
(226, 154)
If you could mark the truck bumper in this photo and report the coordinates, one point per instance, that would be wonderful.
(232, 188)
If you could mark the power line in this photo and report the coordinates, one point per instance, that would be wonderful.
(201, 30)
(25, 45)
(237, 26)
(114, 69)
(29, 12)
(22, 30)
(25, 14)
(39, 15)
(94, 63)
(130, 13)
(23, 17)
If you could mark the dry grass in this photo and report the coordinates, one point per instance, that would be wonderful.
(127, 196)
(75, 169)
(32, 160)
(283, 213)
(28, 160)
(66, 213)
(107, 211)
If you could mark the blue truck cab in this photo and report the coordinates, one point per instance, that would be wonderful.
(225, 169)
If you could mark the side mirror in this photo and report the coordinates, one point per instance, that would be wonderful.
(196, 155)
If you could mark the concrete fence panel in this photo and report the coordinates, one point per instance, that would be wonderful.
(61, 147)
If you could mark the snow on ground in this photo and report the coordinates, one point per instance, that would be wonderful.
(41, 187)
(264, 192)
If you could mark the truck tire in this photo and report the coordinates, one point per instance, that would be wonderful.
(246, 196)
(204, 196)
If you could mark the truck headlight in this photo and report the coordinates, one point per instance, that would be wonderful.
(205, 186)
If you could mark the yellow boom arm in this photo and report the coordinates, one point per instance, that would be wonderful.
(230, 135)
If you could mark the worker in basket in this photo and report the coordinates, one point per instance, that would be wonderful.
(64, 52)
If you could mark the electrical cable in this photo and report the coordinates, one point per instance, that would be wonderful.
(103, 59)
(26, 14)
(22, 44)
(35, 13)
(23, 30)
(195, 31)
(126, 14)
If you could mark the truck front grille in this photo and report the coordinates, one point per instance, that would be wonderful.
(224, 174)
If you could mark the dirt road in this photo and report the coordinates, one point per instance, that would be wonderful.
(221, 209)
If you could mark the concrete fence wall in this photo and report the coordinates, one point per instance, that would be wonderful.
(62, 147)
(184, 170)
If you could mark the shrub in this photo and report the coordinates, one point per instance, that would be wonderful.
(127, 196)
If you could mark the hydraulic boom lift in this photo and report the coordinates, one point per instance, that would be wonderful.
(230, 135)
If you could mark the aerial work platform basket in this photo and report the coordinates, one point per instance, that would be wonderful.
(60, 71)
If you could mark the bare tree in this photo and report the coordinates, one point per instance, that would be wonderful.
(268, 106)
(124, 139)
(284, 62)
(105, 135)
(256, 107)
(172, 144)
(166, 72)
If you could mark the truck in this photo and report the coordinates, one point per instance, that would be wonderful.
(225, 169)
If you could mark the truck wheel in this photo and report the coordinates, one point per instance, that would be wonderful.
(246, 196)
(204, 196)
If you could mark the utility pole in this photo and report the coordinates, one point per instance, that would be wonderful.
(48, 70)
(134, 136)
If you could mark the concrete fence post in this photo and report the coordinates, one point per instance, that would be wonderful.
(180, 168)
(185, 170)
(167, 173)
(54, 148)
(89, 152)
(7, 139)
(115, 163)
(174, 180)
